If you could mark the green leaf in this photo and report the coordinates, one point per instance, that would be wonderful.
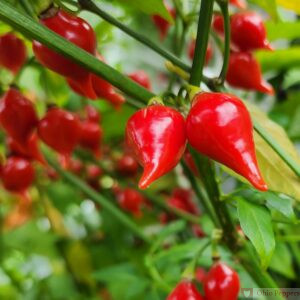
(282, 261)
(150, 7)
(279, 59)
(282, 30)
(281, 203)
(269, 6)
(256, 223)
(293, 5)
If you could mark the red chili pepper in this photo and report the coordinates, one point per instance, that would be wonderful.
(198, 231)
(244, 72)
(248, 31)
(91, 137)
(93, 172)
(92, 114)
(130, 200)
(102, 88)
(12, 52)
(200, 275)
(17, 116)
(222, 283)
(127, 165)
(157, 137)
(219, 126)
(17, 174)
(76, 166)
(30, 150)
(190, 162)
(60, 130)
(239, 3)
(191, 51)
(142, 78)
(76, 31)
(162, 24)
(185, 195)
(185, 290)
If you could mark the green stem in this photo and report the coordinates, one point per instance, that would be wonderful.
(28, 8)
(55, 42)
(92, 7)
(206, 11)
(224, 8)
(277, 148)
(105, 203)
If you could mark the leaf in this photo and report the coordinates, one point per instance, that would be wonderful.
(282, 261)
(256, 223)
(150, 7)
(293, 5)
(279, 59)
(269, 6)
(282, 30)
(281, 203)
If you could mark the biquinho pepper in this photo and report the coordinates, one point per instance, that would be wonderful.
(142, 78)
(248, 31)
(17, 116)
(157, 137)
(220, 127)
(61, 130)
(162, 24)
(222, 283)
(185, 290)
(17, 174)
(244, 72)
(12, 52)
(30, 150)
(76, 31)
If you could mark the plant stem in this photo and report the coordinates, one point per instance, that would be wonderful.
(92, 7)
(206, 11)
(28, 8)
(224, 8)
(105, 203)
(277, 148)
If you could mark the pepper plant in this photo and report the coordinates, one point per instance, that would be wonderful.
(149, 149)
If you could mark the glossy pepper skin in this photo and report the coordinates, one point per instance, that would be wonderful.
(17, 116)
(239, 3)
(142, 78)
(76, 31)
(162, 24)
(30, 150)
(244, 72)
(130, 200)
(157, 137)
(17, 174)
(185, 290)
(91, 134)
(191, 51)
(222, 283)
(60, 130)
(12, 52)
(248, 31)
(220, 127)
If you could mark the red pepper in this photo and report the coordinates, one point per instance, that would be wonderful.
(92, 114)
(248, 31)
(76, 166)
(142, 78)
(220, 127)
(200, 274)
(157, 137)
(244, 72)
(17, 174)
(239, 3)
(185, 290)
(191, 51)
(17, 116)
(162, 24)
(190, 162)
(12, 52)
(101, 87)
(76, 31)
(30, 150)
(130, 200)
(91, 135)
(222, 283)
(60, 130)
(127, 165)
